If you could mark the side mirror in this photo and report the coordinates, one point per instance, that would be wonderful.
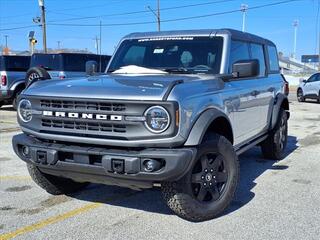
(91, 68)
(304, 81)
(246, 68)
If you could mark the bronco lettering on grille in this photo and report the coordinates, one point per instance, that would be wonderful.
(82, 115)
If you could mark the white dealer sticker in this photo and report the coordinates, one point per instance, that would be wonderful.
(165, 39)
(158, 50)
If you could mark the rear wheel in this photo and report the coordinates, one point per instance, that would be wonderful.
(52, 184)
(208, 188)
(273, 147)
(300, 96)
(35, 74)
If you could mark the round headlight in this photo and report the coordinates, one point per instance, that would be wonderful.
(24, 110)
(157, 119)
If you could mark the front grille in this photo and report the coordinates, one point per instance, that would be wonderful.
(82, 105)
(84, 126)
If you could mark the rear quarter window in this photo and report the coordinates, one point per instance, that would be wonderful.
(273, 59)
(15, 63)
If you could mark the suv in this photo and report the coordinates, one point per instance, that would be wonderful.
(309, 88)
(12, 72)
(175, 110)
(62, 65)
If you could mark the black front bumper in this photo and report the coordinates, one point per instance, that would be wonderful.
(96, 164)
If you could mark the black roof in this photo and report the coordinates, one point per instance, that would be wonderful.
(235, 34)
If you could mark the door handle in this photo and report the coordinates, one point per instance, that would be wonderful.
(255, 93)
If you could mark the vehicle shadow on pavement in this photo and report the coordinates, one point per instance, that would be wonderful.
(252, 165)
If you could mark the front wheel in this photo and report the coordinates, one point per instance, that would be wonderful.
(273, 147)
(53, 184)
(300, 96)
(208, 188)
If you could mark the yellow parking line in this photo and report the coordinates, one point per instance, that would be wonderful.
(15, 178)
(49, 221)
(60, 217)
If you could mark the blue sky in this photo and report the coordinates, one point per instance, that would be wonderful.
(274, 22)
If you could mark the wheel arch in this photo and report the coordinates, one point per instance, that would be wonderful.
(211, 120)
(282, 102)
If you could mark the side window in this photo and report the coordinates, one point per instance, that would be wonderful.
(257, 53)
(273, 59)
(314, 78)
(135, 55)
(239, 51)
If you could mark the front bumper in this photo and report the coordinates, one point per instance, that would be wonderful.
(96, 164)
(6, 95)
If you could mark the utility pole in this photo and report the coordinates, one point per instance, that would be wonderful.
(295, 25)
(244, 9)
(157, 14)
(59, 46)
(100, 49)
(96, 44)
(43, 25)
(6, 40)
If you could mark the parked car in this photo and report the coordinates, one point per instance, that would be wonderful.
(62, 65)
(12, 72)
(175, 110)
(309, 89)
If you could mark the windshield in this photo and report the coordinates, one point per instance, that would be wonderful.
(171, 54)
(15, 63)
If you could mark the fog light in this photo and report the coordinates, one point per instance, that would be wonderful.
(151, 165)
(25, 151)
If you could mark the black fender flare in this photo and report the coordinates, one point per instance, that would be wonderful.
(202, 124)
(280, 101)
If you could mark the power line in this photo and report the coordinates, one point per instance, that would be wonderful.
(143, 11)
(165, 20)
(175, 19)
(78, 17)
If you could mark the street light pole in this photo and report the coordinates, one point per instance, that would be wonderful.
(157, 14)
(295, 25)
(6, 40)
(243, 9)
(43, 25)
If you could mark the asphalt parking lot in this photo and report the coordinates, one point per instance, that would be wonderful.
(275, 200)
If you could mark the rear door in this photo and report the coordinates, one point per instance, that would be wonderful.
(264, 85)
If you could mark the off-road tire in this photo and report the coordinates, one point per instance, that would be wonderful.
(179, 195)
(52, 184)
(35, 74)
(272, 148)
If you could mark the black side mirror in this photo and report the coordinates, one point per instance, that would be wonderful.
(304, 81)
(246, 68)
(91, 68)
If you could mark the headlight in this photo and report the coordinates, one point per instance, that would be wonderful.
(157, 119)
(24, 110)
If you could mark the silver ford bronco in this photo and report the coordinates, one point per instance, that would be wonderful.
(174, 109)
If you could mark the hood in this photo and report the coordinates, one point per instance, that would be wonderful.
(125, 87)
